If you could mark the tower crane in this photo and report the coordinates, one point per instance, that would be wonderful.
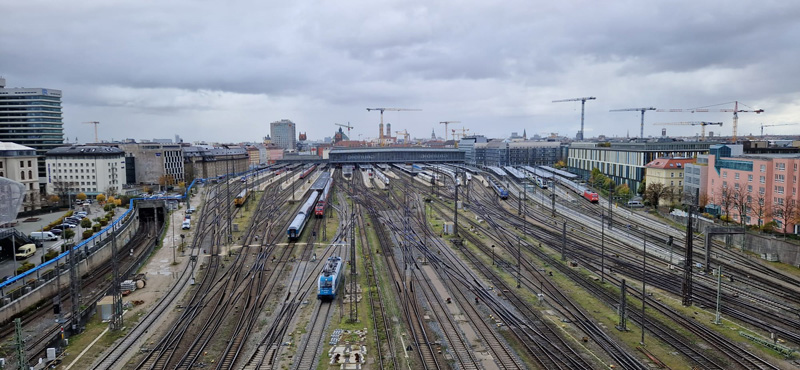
(641, 128)
(445, 127)
(380, 135)
(735, 111)
(406, 136)
(702, 124)
(461, 135)
(583, 103)
(779, 124)
(95, 123)
(348, 127)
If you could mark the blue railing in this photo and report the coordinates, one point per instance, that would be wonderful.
(83, 243)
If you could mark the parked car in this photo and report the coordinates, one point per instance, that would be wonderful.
(64, 226)
(56, 231)
(43, 235)
(186, 225)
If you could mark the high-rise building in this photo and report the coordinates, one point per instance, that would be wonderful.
(31, 117)
(283, 134)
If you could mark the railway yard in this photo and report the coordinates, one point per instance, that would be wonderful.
(438, 267)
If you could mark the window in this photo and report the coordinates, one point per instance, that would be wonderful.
(724, 184)
(780, 166)
(780, 178)
(736, 176)
(736, 186)
(672, 174)
(21, 164)
(680, 174)
(749, 178)
(29, 164)
(761, 190)
(763, 168)
(22, 175)
(762, 179)
(30, 175)
(1, 164)
(724, 174)
(749, 188)
(779, 189)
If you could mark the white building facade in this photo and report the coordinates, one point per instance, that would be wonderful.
(85, 169)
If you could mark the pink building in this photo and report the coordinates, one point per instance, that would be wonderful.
(759, 188)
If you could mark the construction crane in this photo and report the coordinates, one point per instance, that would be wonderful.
(406, 136)
(641, 128)
(779, 124)
(95, 123)
(702, 125)
(380, 135)
(735, 111)
(583, 104)
(445, 127)
(462, 134)
(348, 127)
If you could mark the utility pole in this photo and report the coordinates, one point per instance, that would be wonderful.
(602, 246)
(353, 286)
(686, 290)
(610, 206)
(644, 276)
(623, 305)
(455, 211)
(519, 259)
(564, 242)
(116, 315)
(75, 289)
(20, 344)
(719, 291)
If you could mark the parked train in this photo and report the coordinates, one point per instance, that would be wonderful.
(322, 203)
(330, 279)
(300, 220)
(382, 177)
(241, 198)
(308, 171)
(541, 183)
(501, 191)
(581, 190)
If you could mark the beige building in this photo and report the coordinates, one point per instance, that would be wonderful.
(669, 172)
(154, 161)
(18, 163)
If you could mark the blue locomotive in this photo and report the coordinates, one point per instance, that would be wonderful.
(330, 279)
(501, 191)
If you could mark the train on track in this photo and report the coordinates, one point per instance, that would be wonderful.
(382, 177)
(322, 203)
(330, 279)
(241, 198)
(581, 190)
(501, 191)
(308, 171)
(300, 220)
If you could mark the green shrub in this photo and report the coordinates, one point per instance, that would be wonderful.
(86, 223)
(96, 227)
(68, 234)
(25, 267)
(103, 222)
(50, 255)
(69, 213)
(87, 233)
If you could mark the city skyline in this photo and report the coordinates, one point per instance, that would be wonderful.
(153, 70)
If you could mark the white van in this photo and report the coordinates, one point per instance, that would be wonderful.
(43, 235)
(187, 224)
(635, 204)
(26, 251)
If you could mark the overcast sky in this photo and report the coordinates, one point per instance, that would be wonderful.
(223, 70)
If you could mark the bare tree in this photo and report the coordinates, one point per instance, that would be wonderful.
(760, 209)
(725, 201)
(785, 210)
(741, 202)
(654, 193)
(62, 189)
